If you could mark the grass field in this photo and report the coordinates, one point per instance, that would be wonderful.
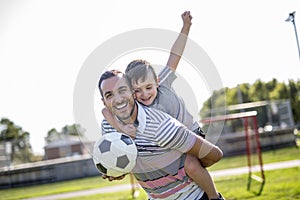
(280, 184)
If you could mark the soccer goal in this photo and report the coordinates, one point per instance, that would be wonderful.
(253, 148)
(134, 187)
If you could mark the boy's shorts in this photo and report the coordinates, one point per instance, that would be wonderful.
(199, 132)
(205, 197)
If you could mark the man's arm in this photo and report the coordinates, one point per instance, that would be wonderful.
(179, 45)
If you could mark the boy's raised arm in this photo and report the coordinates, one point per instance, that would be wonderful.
(179, 45)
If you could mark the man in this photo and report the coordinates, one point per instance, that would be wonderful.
(161, 140)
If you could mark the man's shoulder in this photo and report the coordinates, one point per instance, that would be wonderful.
(156, 114)
(106, 127)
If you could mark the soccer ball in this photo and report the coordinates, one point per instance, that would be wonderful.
(115, 154)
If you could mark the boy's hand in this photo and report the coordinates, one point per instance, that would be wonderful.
(129, 129)
(187, 18)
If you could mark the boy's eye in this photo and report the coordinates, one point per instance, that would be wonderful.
(149, 87)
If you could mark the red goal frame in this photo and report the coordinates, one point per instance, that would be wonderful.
(245, 116)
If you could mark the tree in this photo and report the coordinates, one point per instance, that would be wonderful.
(74, 130)
(21, 151)
(244, 88)
(52, 135)
(216, 101)
(259, 91)
(280, 91)
(294, 95)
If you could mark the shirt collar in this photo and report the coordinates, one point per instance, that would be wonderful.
(141, 117)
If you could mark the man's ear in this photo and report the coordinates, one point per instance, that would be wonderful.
(158, 79)
(103, 101)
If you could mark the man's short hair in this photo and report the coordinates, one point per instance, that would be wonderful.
(109, 74)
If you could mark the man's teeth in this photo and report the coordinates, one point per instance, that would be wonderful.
(121, 106)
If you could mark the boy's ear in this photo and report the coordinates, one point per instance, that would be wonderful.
(133, 94)
(158, 79)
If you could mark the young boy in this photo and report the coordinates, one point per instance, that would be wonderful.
(149, 91)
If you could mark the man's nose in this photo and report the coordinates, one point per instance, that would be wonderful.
(118, 98)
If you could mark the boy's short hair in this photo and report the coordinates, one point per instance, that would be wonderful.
(137, 69)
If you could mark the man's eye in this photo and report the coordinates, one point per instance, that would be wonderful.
(123, 90)
(108, 96)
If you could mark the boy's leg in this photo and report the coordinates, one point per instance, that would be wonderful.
(201, 176)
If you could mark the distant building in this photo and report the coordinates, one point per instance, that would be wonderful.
(67, 146)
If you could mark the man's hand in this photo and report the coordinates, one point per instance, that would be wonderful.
(111, 178)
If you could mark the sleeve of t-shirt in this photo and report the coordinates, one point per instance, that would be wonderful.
(106, 127)
(174, 135)
(166, 77)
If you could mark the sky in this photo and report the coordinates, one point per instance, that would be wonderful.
(43, 45)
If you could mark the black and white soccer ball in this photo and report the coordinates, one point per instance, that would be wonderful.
(115, 154)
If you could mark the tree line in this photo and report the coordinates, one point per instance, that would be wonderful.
(258, 91)
(16, 141)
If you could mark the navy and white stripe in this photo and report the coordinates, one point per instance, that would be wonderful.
(161, 141)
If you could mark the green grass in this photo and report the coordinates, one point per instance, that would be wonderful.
(58, 188)
(271, 156)
(125, 195)
(282, 184)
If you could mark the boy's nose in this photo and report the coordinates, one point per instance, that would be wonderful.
(144, 93)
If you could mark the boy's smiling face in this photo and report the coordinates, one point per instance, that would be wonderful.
(145, 90)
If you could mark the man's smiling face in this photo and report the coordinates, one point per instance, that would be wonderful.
(118, 97)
